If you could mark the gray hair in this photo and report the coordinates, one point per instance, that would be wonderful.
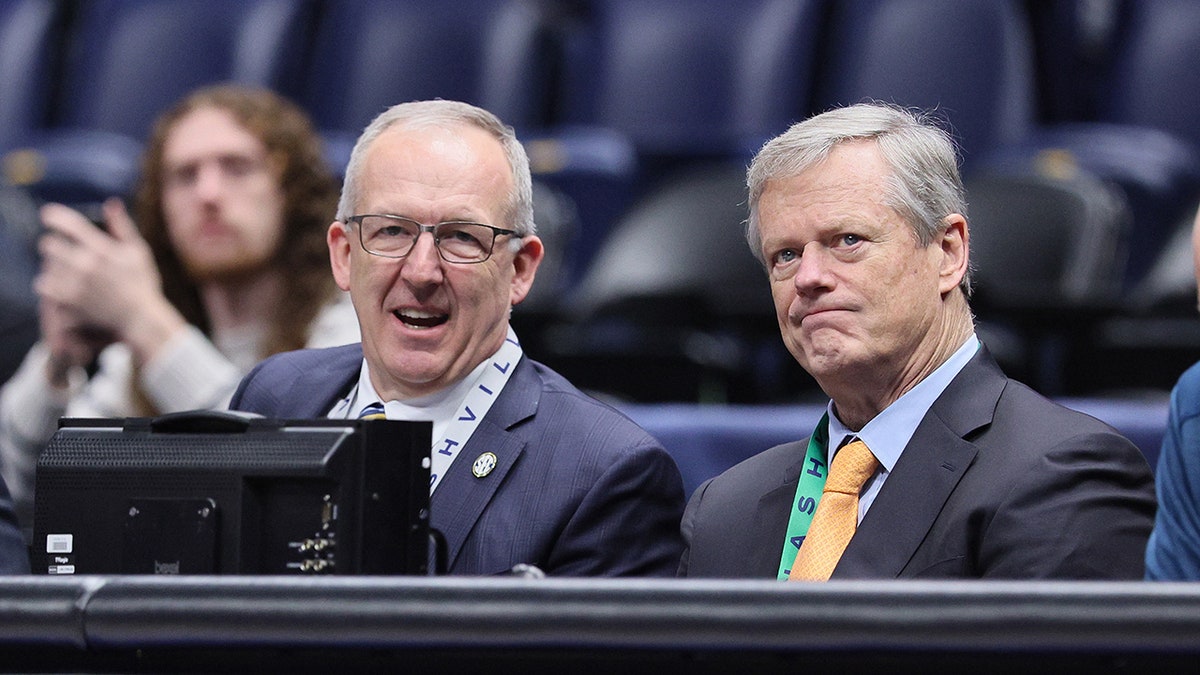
(447, 115)
(925, 185)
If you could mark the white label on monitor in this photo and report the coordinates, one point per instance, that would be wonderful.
(62, 569)
(60, 543)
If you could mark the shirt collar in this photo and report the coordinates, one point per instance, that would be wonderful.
(363, 394)
(889, 432)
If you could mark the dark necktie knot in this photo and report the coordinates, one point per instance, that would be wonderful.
(374, 411)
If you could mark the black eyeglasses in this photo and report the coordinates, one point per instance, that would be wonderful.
(456, 242)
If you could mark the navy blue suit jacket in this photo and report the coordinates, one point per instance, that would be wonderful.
(1173, 553)
(997, 482)
(578, 488)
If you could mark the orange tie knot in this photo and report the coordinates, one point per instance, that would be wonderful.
(852, 466)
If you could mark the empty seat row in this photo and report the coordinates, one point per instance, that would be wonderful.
(613, 94)
(621, 101)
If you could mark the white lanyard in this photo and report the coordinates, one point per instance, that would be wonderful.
(477, 403)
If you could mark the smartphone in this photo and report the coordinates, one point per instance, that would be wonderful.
(94, 212)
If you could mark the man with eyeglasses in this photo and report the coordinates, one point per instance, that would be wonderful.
(435, 241)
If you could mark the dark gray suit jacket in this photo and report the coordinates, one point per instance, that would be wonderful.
(578, 488)
(997, 482)
(14, 554)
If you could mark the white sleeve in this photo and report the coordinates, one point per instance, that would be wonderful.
(29, 412)
(189, 373)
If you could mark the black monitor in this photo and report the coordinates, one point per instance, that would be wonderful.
(225, 493)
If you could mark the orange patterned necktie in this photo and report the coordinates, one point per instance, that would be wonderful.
(836, 517)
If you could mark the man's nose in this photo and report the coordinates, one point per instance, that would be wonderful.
(209, 181)
(423, 262)
(812, 270)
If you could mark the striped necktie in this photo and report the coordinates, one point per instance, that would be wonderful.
(373, 412)
(836, 517)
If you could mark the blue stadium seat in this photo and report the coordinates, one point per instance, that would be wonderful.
(370, 54)
(75, 166)
(706, 440)
(1145, 136)
(661, 85)
(1074, 43)
(19, 229)
(706, 78)
(126, 61)
(29, 31)
(1156, 77)
(970, 60)
(1155, 86)
(1158, 173)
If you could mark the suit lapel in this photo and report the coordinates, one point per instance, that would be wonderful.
(927, 472)
(930, 467)
(770, 521)
(322, 397)
(317, 383)
(461, 498)
(771, 525)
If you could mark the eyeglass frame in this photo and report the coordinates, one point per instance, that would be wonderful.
(423, 228)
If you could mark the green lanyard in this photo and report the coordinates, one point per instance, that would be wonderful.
(808, 493)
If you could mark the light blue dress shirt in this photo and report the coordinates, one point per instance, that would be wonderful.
(889, 432)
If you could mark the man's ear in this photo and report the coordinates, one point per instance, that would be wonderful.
(525, 263)
(954, 242)
(339, 254)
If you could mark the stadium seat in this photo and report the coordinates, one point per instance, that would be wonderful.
(29, 31)
(1158, 173)
(668, 244)
(1047, 253)
(1074, 43)
(706, 440)
(370, 54)
(1151, 92)
(661, 85)
(704, 78)
(675, 307)
(969, 60)
(79, 167)
(1143, 135)
(126, 61)
(19, 228)
(1046, 242)
(1155, 89)
(1156, 76)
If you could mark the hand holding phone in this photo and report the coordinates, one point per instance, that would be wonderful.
(101, 278)
(106, 282)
